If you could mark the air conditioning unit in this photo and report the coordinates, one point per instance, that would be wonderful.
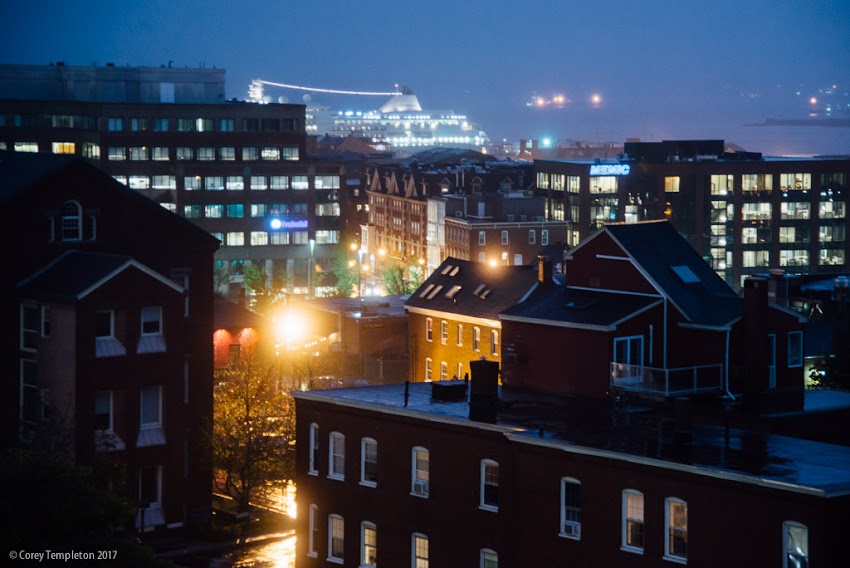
(420, 488)
(571, 528)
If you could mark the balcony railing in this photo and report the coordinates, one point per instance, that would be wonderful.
(666, 382)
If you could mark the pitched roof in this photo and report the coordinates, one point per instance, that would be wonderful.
(473, 289)
(570, 307)
(676, 268)
(19, 171)
(74, 275)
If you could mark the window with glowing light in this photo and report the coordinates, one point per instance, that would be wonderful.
(336, 456)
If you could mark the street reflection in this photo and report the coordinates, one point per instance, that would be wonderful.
(278, 554)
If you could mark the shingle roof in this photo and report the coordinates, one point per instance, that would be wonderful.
(695, 288)
(580, 308)
(473, 289)
(72, 275)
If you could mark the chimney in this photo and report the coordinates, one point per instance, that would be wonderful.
(755, 341)
(544, 270)
(484, 390)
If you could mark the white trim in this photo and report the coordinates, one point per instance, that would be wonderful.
(420, 487)
(313, 455)
(481, 486)
(576, 535)
(363, 441)
(131, 262)
(530, 290)
(624, 518)
(335, 559)
(331, 460)
(652, 462)
(312, 527)
(667, 528)
(555, 323)
(612, 291)
(611, 257)
(363, 526)
(785, 526)
(451, 316)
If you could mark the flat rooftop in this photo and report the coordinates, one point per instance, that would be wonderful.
(627, 432)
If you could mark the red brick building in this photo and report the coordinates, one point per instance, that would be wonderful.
(642, 312)
(107, 304)
(393, 479)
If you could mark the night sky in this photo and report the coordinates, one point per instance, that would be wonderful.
(663, 68)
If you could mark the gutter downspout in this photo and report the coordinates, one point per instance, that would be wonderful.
(729, 394)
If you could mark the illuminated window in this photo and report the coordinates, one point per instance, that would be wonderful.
(214, 183)
(64, 148)
(428, 370)
(444, 332)
(494, 343)
(250, 153)
(116, 153)
(259, 238)
(420, 468)
(235, 239)
(205, 153)
(300, 182)
(632, 521)
(227, 153)
(270, 153)
(671, 184)
(476, 338)
(368, 545)
(676, 529)
(444, 371)
(429, 329)
(419, 551)
(184, 153)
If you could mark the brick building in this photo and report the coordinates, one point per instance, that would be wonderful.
(741, 211)
(110, 326)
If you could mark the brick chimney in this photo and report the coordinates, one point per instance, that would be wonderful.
(755, 341)
(484, 390)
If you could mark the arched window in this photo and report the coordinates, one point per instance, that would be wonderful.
(314, 531)
(675, 528)
(489, 485)
(632, 520)
(420, 472)
(368, 545)
(368, 462)
(72, 221)
(489, 559)
(336, 538)
(795, 545)
(313, 464)
(570, 508)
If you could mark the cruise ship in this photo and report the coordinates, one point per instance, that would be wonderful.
(399, 124)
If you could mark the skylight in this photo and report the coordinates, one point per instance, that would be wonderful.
(451, 293)
(435, 292)
(446, 269)
(478, 290)
(455, 271)
(685, 274)
(426, 290)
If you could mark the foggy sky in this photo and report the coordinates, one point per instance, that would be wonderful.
(664, 68)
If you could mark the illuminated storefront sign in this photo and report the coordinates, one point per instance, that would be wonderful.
(278, 224)
(610, 170)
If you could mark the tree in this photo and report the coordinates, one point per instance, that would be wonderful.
(253, 434)
(265, 291)
(346, 275)
(52, 504)
(396, 283)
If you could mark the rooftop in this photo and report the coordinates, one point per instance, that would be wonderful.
(638, 434)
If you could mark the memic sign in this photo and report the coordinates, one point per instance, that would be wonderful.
(610, 170)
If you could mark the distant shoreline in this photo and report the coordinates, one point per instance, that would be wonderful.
(828, 122)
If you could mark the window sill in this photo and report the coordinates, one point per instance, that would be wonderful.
(632, 549)
(490, 508)
(336, 477)
(312, 555)
(314, 473)
(420, 495)
(676, 559)
(372, 484)
(334, 560)
(569, 536)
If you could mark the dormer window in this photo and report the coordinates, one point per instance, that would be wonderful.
(72, 221)
(152, 321)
